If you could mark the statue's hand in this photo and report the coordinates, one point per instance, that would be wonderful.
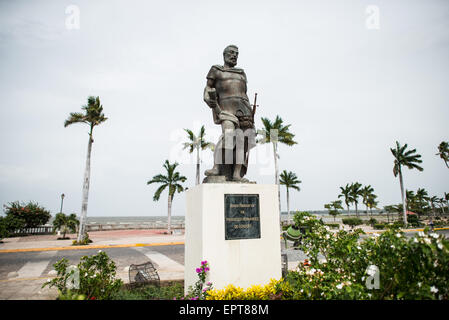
(212, 104)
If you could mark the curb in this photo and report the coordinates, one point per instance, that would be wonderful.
(90, 247)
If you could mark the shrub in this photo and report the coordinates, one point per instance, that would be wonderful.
(256, 292)
(31, 213)
(198, 291)
(413, 220)
(333, 225)
(96, 276)
(372, 222)
(379, 226)
(85, 241)
(9, 224)
(352, 222)
(423, 271)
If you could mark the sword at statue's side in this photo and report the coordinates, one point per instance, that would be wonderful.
(254, 105)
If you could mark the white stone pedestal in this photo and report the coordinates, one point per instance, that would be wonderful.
(244, 262)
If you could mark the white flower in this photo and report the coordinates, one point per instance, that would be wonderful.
(427, 241)
(433, 289)
(398, 235)
(419, 284)
(48, 280)
(392, 246)
(358, 247)
(440, 246)
(421, 234)
(339, 286)
(434, 235)
(415, 240)
(99, 251)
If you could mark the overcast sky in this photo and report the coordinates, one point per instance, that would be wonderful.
(351, 77)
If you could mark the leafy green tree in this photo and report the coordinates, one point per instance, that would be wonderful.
(333, 208)
(172, 180)
(31, 214)
(197, 143)
(346, 193)
(443, 152)
(65, 223)
(408, 159)
(290, 181)
(92, 116)
(276, 132)
(356, 191)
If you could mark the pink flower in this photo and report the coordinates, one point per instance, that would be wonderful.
(198, 270)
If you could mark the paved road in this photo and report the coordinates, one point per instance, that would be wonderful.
(22, 273)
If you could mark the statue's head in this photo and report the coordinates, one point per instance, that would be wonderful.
(230, 55)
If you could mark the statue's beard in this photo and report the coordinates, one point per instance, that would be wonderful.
(231, 63)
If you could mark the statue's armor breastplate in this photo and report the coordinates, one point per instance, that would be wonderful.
(230, 85)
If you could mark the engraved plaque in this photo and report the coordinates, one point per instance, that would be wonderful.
(242, 218)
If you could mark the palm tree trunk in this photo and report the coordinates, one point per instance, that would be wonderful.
(82, 229)
(404, 198)
(197, 165)
(288, 205)
(170, 199)
(276, 176)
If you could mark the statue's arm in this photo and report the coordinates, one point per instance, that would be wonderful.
(210, 86)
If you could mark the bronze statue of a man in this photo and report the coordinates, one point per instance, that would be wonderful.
(225, 94)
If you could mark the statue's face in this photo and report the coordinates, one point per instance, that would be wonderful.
(230, 56)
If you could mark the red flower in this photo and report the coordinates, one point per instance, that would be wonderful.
(93, 298)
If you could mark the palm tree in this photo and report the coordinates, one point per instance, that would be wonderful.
(356, 191)
(92, 116)
(421, 198)
(275, 132)
(372, 203)
(366, 192)
(289, 180)
(443, 152)
(433, 200)
(410, 199)
(346, 193)
(408, 159)
(65, 223)
(172, 180)
(197, 143)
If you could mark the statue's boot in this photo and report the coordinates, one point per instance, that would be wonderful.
(239, 179)
(212, 172)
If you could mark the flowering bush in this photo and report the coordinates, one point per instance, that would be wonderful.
(93, 278)
(342, 266)
(255, 292)
(30, 214)
(199, 291)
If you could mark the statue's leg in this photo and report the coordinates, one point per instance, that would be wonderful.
(223, 150)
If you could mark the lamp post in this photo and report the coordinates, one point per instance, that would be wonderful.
(62, 201)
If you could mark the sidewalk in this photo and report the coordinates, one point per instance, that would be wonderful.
(101, 239)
